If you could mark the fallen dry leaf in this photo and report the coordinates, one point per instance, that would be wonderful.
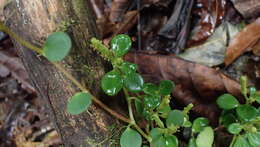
(243, 41)
(195, 83)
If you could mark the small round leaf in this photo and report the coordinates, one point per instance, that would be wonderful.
(121, 44)
(234, 128)
(150, 88)
(175, 117)
(128, 67)
(112, 83)
(79, 103)
(246, 112)
(205, 137)
(130, 138)
(166, 87)
(152, 101)
(57, 46)
(171, 141)
(227, 101)
(155, 134)
(134, 82)
(199, 124)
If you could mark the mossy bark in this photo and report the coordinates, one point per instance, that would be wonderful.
(34, 20)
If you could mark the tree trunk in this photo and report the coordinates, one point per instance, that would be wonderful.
(34, 20)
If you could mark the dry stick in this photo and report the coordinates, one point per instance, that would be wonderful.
(67, 74)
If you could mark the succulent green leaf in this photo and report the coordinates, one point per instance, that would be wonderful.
(121, 44)
(241, 141)
(166, 87)
(57, 46)
(175, 117)
(205, 137)
(112, 83)
(254, 139)
(79, 103)
(134, 82)
(130, 138)
(234, 128)
(199, 124)
(246, 112)
(152, 101)
(150, 88)
(227, 101)
(171, 141)
(128, 68)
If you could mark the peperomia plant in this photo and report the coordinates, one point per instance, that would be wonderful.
(241, 120)
(150, 103)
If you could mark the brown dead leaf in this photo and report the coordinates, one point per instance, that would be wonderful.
(256, 48)
(118, 10)
(243, 41)
(211, 13)
(195, 83)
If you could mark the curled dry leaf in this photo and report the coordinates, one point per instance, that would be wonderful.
(211, 13)
(212, 52)
(195, 83)
(243, 41)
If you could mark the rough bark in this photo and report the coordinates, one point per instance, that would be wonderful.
(34, 20)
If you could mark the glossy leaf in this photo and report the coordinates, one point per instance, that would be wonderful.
(227, 101)
(79, 103)
(241, 141)
(199, 124)
(112, 83)
(57, 46)
(234, 128)
(205, 137)
(150, 88)
(254, 139)
(175, 117)
(130, 138)
(166, 87)
(152, 101)
(121, 44)
(246, 112)
(171, 141)
(134, 82)
(252, 91)
(128, 68)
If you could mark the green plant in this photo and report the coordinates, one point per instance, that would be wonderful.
(151, 103)
(241, 120)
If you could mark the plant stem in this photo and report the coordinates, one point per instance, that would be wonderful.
(18, 39)
(233, 141)
(96, 100)
(67, 74)
(128, 98)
